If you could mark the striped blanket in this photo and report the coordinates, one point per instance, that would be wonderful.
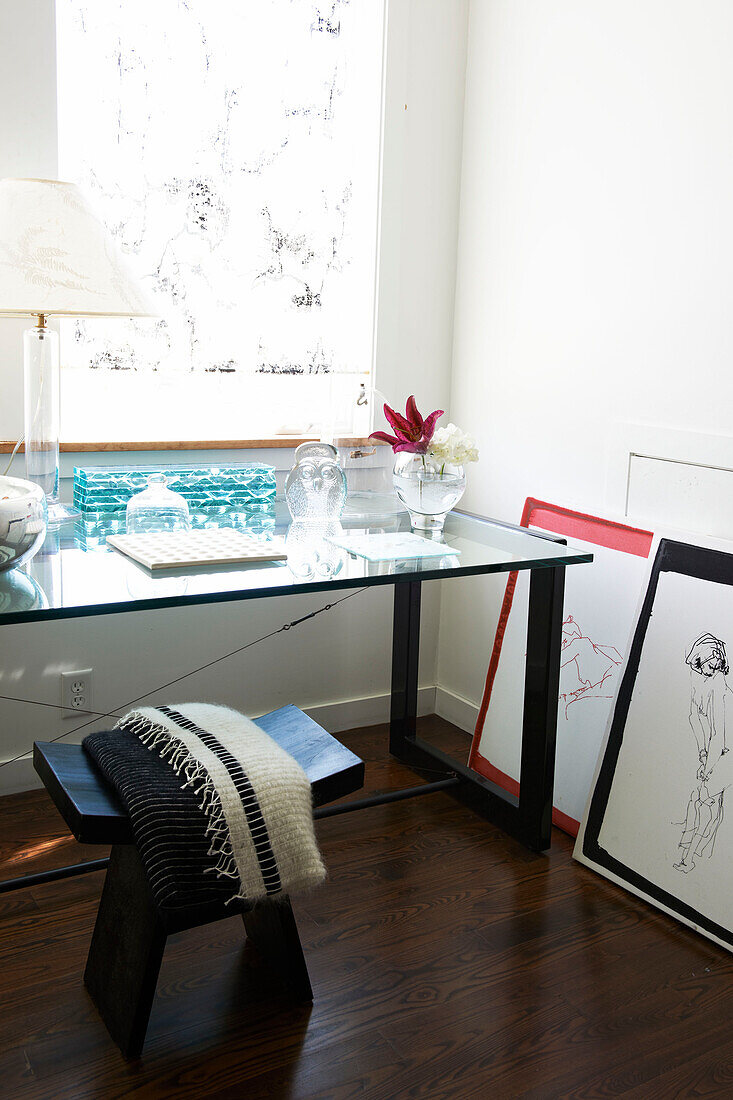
(218, 810)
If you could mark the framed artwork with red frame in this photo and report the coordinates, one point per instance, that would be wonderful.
(600, 606)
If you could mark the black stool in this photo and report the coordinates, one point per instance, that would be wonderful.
(130, 932)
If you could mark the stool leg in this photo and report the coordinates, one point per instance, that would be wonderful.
(272, 929)
(126, 951)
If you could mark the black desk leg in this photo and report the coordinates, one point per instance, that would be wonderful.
(529, 816)
(405, 657)
(541, 689)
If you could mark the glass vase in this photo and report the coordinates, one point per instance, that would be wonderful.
(428, 488)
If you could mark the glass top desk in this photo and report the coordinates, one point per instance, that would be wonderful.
(68, 578)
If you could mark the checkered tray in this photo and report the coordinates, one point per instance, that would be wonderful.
(178, 549)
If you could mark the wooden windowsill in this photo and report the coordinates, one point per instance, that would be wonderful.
(7, 446)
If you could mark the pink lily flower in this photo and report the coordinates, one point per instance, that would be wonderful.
(412, 433)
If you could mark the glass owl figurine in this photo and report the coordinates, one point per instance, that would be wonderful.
(316, 487)
(311, 554)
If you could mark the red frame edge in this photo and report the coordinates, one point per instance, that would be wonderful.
(607, 533)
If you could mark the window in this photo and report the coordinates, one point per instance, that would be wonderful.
(232, 149)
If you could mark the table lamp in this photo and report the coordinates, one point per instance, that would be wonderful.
(56, 258)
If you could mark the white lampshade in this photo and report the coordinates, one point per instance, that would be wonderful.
(57, 258)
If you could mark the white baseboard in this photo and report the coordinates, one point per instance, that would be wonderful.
(343, 715)
(18, 776)
(367, 711)
(454, 708)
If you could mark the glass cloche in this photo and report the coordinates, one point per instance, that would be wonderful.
(157, 508)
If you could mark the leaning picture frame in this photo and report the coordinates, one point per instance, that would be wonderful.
(598, 618)
(655, 822)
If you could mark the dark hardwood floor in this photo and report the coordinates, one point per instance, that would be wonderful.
(446, 961)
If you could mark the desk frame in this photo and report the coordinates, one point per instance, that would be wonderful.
(528, 816)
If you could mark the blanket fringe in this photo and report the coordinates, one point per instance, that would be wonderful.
(182, 761)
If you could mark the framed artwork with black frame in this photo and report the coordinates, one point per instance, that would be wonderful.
(659, 820)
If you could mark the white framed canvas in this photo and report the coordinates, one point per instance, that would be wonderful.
(600, 604)
(659, 821)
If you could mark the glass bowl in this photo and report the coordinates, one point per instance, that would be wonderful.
(23, 518)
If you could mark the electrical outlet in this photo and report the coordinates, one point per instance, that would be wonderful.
(76, 692)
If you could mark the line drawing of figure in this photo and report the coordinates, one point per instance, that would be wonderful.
(585, 666)
(709, 692)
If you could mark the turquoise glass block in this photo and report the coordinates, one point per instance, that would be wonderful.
(105, 490)
(91, 530)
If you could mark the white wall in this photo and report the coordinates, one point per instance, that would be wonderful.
(595, 260)
(344, 655)
(28, 147)
(423, 99)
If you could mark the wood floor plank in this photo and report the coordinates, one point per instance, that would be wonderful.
(446, 960)
(709, 1075)
(339, 1072)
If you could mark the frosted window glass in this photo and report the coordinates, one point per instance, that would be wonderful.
(232, 149)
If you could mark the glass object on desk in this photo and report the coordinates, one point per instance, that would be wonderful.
(157, 508)
(41, 392)
(311, 554)
(316, 487)
(101, 491)
(91, 531)
(428, 488)
(19, 592)
(368, 470)
(23, 516)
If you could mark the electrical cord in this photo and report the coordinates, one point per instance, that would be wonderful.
(15, 451)
(162, 687)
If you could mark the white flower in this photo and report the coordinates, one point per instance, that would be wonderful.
(453, 446)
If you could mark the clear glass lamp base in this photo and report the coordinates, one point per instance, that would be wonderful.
(41, 407)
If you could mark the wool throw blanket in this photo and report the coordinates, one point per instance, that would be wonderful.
(219, 810)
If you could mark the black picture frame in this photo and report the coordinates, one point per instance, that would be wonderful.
(704, 564)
